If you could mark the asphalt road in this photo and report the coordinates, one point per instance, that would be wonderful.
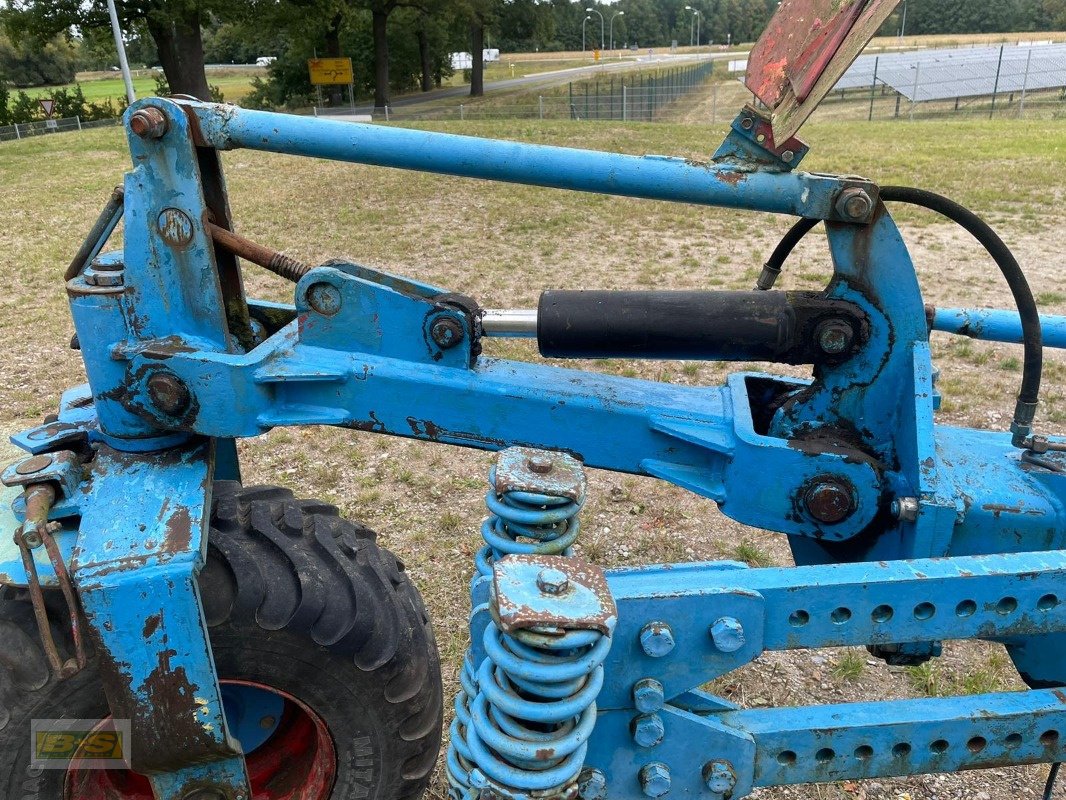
(605, 67)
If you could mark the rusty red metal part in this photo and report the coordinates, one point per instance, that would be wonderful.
(803, 52)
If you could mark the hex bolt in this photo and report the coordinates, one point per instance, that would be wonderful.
(656, 639)
(541, 465)
(787, 156)
(854, 203)
(829, 500)
(727, 634)
(35, 464)
(648, 730)
(905, 508)
(834, 336)
(747, 123)
(447, 331)
(591, 784)
(32, 538)
(149, 123)
(169, 393)
(655, 779)
(552, 581)
(648, 695)
(720, 779)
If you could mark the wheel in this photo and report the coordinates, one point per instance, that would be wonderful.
(326, 655)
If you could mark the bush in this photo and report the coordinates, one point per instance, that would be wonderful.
(68, 103)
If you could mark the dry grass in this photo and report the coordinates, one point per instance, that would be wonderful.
(502, 244)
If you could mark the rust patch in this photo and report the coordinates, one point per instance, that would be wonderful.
(732, 177)
(179, 532)
(151, 625)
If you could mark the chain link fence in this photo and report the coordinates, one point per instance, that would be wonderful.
(25, 130)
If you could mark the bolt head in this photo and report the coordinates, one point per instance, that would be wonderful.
(35, 464)
(446, 331)
(541, 465)
(829, 501)
(727, 634)
(648, 730)
(169, 393)
(592, 784)
(655, 779)
(854, 203)
(656, 639)
(32, 538)
(747, 123)
(787, 156)
(719, 777)
(834, 336)
(325, 298)
(149, 123)
(648, 695)
(552, 581)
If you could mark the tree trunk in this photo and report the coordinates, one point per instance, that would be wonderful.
(425, 58)
(181, 50)
(380, 18)
(333, 50)
(477, 54)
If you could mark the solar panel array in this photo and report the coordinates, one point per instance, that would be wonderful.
(923, 75)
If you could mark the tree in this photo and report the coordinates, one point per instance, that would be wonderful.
(481, 14)
(34, 63)
(174, 26)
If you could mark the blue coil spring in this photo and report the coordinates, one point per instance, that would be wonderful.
(549, 524)
(522, 726)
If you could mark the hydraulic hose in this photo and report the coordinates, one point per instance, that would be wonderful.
(1032, 342)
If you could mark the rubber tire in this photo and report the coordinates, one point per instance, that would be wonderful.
(296, 598)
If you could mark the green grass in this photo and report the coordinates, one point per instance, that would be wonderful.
(235, 85)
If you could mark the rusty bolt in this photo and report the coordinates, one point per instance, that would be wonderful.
(149, 123)
(446, 331)
(905, 508)
(648, 695)
(727, 634)
(829, 500)
(655, 779)
(648, 730)
(854, 203)
(720, 778)
(747, 123)
(32, 538)
(656, 639)
(591, 784)
(35, 464)
(169, 393)
(787, 156)
(541, 465)
(552, 581)
(325, 298)
(834, 336)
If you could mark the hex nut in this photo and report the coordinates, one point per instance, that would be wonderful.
(149, 123)
(446, 331)
(169, 393)
(727, 633)
(591, 784)
(648, 695)
(655, 779)
(648, 730)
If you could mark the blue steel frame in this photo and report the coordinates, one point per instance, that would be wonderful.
(937, 516)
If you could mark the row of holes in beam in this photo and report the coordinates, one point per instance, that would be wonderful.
(975, 745)
(923, 611)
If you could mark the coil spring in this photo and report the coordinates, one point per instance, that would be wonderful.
(549, 522)
(527, 726)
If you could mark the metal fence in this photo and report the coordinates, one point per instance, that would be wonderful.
(628, 98)
(24, 130)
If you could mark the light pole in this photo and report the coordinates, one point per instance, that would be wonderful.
(587, 18)
(699, 19)
(693, 25)
(594, 11)
(616, 14)
(903, 22)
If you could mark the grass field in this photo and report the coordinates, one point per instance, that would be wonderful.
(234, 83)
(502, 244)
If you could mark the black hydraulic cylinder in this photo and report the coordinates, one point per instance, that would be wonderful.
(780, 327)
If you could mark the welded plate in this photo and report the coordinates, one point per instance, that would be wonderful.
(806, 48)
(583, 603)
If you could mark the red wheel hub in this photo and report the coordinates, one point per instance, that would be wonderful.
(297, 762)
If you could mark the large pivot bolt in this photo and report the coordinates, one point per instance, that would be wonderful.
(834, 336)
(854, 203)
(447, 331)
(829, 500)
(169, 393)
(149, 123)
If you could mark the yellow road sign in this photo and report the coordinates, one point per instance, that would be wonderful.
(330, 71)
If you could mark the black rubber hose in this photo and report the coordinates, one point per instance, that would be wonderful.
(1032, 340)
